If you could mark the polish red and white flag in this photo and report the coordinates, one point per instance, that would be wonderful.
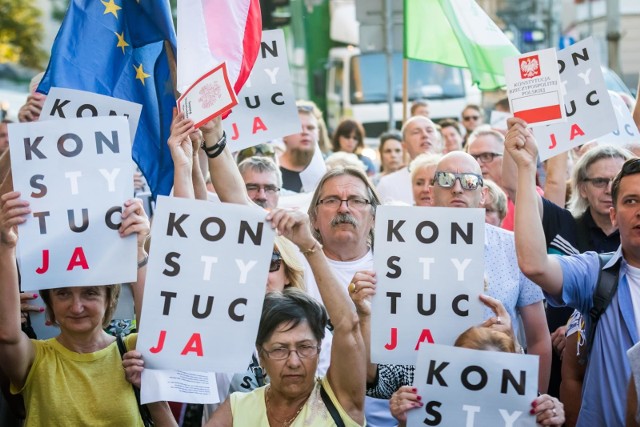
(211, 32)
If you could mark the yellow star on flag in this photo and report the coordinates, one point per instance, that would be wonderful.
(110, 7)
(140, 74)
(121, 42)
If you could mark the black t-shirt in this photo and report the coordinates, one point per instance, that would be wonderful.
(291, 180)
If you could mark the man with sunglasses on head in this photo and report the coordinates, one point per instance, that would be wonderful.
(571, 280)
(458, 183)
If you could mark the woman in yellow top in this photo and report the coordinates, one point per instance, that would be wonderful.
(288, 343)
(77, 377)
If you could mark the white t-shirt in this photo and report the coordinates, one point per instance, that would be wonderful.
(396, 187)
(633, 277)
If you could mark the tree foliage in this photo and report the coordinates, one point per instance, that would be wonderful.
(21, 33)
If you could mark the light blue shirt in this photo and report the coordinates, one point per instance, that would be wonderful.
(506, 282)
(604, 389)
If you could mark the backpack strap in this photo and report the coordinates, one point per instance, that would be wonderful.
(333, 411)
(606, 288)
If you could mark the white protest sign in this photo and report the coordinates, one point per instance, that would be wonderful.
(430, 269)
(267, 104)
(63, 103)
(627, 131)
(207, 98)
(586, 102)
(206, 281)
(76, 175)
(463, 387)
(533, 87)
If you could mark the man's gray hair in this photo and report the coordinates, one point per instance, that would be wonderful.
(261, 164)
(578, 204)
(372, 196)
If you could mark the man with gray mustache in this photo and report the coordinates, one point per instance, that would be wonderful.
(342, 213)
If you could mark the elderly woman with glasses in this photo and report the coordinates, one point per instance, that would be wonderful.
(292, 327)
(288, 343)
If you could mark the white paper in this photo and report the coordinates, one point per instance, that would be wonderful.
(627, 131)
(429, 278)
(205, 285)
(587, 103)
(74, 171)
(534, 88)
(210, 96)
(63, 103)
(178, 386)
(474, 387)
(267, 103)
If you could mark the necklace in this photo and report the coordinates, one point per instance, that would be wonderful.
(284, 423)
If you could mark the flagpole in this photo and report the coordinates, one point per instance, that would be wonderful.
(405, 95)
(172, 67)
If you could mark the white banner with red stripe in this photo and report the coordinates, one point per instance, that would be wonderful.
(211, 32)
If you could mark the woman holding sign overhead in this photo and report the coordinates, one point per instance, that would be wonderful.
(291, 329)
(77, 377)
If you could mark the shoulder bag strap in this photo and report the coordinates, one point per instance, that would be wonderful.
(144, 411)
(333, 411)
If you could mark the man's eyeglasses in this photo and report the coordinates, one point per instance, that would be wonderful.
(599, 182)
(468, 181)
(276, 261)
(467, 118)
(485, 157)
(255, 188)
(333, 202)
(282, 353)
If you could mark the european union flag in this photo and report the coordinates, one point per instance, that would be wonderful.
(119, 48)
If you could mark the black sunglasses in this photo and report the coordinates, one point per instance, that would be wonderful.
(276, 261)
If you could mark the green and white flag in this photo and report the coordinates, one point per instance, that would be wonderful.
(460, 34)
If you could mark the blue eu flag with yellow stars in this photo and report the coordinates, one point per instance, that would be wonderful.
(119, 48)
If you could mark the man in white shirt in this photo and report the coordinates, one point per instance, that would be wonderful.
(342, 214)
(419, 135)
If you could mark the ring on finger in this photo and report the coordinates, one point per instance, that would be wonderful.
(352, 288)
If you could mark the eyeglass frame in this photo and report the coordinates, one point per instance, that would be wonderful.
(276, 261)
(630, 167)
(346, 201)
(599, 182)
(491, 154)
(467, 118)
(457, 177)
(290, 350)
(272, 188)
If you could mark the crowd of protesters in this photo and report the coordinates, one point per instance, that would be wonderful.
(541, 268)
